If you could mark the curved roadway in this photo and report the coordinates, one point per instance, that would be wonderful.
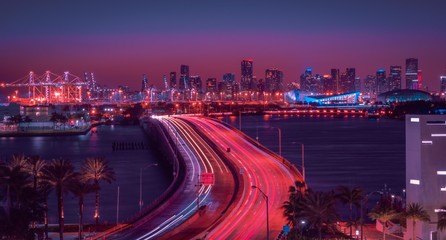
(247, 220)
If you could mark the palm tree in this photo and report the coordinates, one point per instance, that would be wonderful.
(319, 210)
(15, 207)
(416, 212)
(34, 167)
(351, 197)
(94, 170)
(59, 174)
(383, 213)
(80, 189)
(441, 225)
(291, 208)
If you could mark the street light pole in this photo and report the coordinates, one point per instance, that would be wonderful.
(267, 212)
(140, 184)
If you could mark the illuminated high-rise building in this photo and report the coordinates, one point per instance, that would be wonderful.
(412, 73)
(229, 77)
(335, 79)
(370, 87)
(196, 83)
(228, 86)
(211, 85)
(394, 82)
(247, 74)
(274, 80)
(145, 83)
(173, 79)
(184, 77)
(381, 81)
(420, 79)
(347, 81)
(443, 84)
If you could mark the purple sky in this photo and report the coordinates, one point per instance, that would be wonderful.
(121, 40)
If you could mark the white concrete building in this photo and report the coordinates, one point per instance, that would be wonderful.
(426, 171)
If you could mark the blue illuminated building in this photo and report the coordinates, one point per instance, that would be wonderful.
(340, 99)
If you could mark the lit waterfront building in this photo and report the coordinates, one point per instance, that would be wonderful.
(443, 85)
(184, 77)
(426, 171)
(173, 79)
(369, 87)
(196, 83)
(211, 85)
(335, 76)
(328, 84)
(420, 79)
(394, 78)
(246, 80)
(310, 83)
(412, 73)
(145, 83)
(381, 81)
(347, 81)
(273, 79)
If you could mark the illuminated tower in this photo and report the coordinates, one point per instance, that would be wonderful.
(370, 87)
(184, 78)
(412, 73)
(420, 80)
(247, 74)
(211, 85)
(144, 83)
(394, 78)
(347, 81)
(443, 85)
(335, 79)
(274, 79)
(381, 80)
(173, 79)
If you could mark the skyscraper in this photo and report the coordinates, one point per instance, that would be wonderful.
(394, 78)
(184, 78)
(412, 73)
(443, 84)
(420, 79)
(211, 85)
(196, 83)
(347, 81)
(425, 171)
(145, 83)
(370, 87)
(274, 80)
(381, 81)
(247, 74)
(173, 79)
(335, 79)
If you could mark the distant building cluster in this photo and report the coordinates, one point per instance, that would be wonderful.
(184, 86)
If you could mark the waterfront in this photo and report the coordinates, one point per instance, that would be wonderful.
(338, 151)
(350, 151)
(126, 164)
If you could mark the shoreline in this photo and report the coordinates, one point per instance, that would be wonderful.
(49, 133)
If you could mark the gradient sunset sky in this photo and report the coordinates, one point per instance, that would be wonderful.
(121, 40)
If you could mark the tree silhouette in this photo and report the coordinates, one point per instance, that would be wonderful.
(59, 174)
(416, 212)
(95, 170)
(350, 197)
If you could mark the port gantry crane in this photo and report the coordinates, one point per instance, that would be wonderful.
(51, 88)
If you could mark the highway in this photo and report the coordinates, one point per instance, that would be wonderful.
(179, 215)
(233, 208)
(247, 220)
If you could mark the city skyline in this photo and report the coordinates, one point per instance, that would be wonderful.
(120, 42)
